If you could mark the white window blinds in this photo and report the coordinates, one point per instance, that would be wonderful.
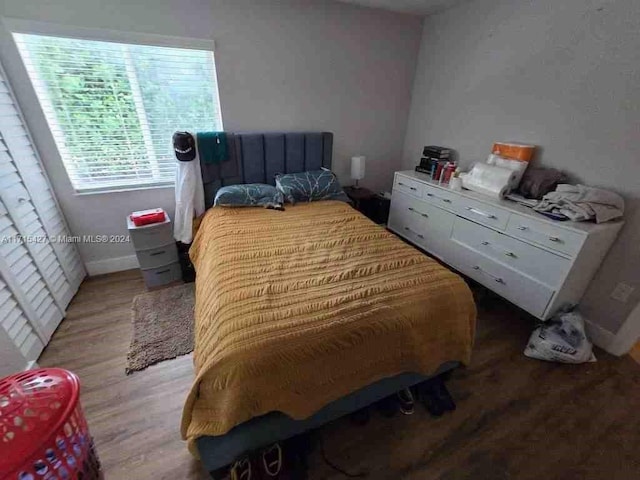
(113, 107)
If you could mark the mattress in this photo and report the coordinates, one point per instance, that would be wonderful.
(297, 308)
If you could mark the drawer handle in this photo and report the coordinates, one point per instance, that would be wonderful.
(522, 228)
(445, 200)
(481, 213)
(411, 209)
(163, 271)
(157, 253)
(415, 233)
(555, 239)
(411, 188)
(507, 253)
(496, 279)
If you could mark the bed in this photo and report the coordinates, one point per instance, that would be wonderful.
(307, 314)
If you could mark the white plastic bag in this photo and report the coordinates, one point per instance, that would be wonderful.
(515, 165)
(561, 339)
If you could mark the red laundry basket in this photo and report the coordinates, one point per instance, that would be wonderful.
(43, 433)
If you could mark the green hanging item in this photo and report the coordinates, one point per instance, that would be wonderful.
(212, 147)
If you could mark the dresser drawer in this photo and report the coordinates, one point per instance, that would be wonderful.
(440, 197)
(405, 215)
(525, 292)
(155, 277)
(540, 264)
(422, 223)
(407, 218)
(152, 236)
(545, 234)
(157, 257)
(482, 213)
(408, 186)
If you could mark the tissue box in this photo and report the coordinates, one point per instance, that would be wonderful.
(146, 217)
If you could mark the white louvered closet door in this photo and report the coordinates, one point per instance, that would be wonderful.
(19, 342)
(42, 272)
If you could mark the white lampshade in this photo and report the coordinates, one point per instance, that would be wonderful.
(357, 167)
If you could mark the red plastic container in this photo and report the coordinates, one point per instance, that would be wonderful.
(146, 217)
(43, 433)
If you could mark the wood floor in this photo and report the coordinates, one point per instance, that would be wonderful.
(517, 418)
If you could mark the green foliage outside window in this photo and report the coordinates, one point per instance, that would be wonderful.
(117, 106)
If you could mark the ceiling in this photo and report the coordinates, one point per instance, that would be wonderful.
(418, 7)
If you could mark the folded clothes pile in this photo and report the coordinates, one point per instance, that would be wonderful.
(580, 203)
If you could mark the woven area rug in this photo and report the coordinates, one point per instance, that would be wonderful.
(162, 326)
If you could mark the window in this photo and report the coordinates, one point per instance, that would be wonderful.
(113, 107)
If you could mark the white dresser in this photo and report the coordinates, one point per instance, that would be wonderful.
(536, 263)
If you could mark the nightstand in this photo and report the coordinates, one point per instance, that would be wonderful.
(156, 251)
(373, 205)
(359, 197)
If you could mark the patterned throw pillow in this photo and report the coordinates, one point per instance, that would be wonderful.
(250, 195)
(310, 186)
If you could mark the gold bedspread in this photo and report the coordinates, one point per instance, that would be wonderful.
(298, 308)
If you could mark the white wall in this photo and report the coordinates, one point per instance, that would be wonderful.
(282, 65)
(564, 75)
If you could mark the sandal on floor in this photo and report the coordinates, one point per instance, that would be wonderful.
(272, 460)
(444, 397)
(405, 401)
(427, 395)
(241, 469)
(435, 396)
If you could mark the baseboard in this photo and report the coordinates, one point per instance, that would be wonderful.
(600, 337)
(110, 265)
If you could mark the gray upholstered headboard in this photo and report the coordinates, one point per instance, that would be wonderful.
(257, 157)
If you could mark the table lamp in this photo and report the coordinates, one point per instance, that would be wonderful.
(357, 169)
